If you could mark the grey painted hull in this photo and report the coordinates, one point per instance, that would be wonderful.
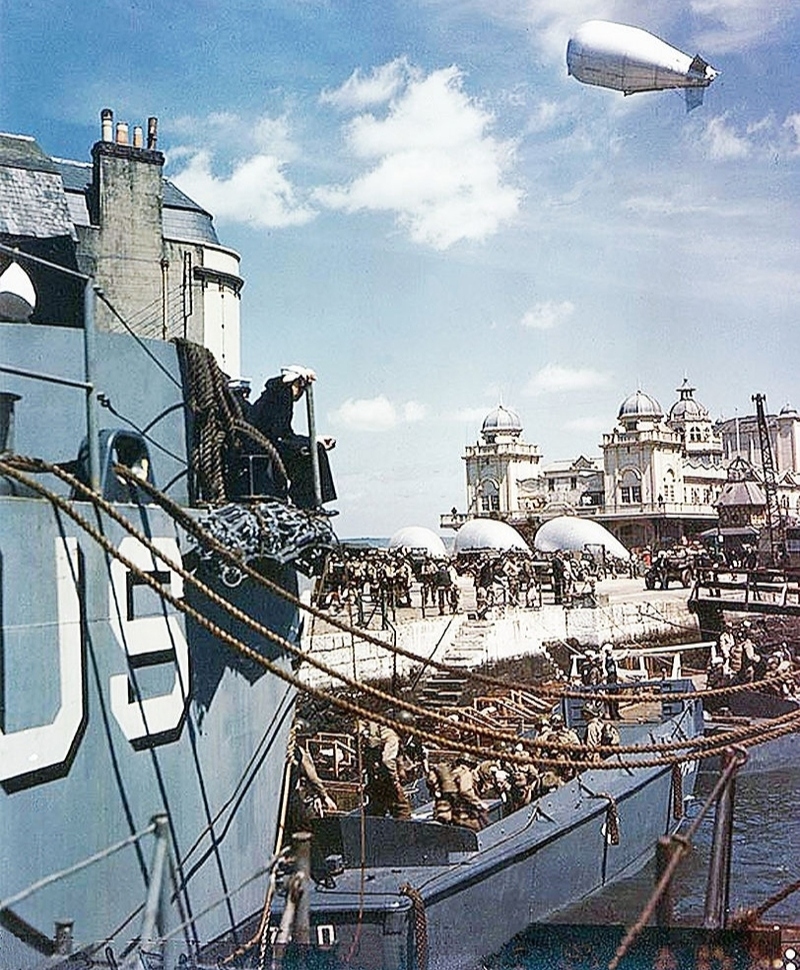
(84, 764)
(526, 867)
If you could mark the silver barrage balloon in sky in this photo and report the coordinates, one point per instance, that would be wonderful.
(630, 59)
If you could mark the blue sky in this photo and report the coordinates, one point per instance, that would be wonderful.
(436, 218)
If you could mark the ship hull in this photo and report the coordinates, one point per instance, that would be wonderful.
(115, 707)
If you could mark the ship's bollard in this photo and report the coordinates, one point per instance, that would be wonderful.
(63, 938)
(666, 848)
(719, 867)
(295, 925)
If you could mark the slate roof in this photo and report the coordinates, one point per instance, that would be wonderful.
(182, 217)
(42, 197)
(32, 198)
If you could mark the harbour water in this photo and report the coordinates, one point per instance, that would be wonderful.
(765, 859)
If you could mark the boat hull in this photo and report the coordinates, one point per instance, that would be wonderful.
(526, 867)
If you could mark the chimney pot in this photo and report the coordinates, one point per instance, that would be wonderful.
(137, 136)
(152, 133)
(106, 124)
(122, 132)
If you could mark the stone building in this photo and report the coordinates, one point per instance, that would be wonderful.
(496, 466)
(660, 477)
(119, 210)
(663, 472)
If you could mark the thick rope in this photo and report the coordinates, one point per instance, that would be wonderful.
(695, 745)
(420, 925)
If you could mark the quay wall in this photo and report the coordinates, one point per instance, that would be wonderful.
(510, 633)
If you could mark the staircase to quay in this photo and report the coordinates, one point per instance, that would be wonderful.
(464, 646)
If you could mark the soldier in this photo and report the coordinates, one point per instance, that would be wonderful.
(308, 796)
(563, 735)
(442, 786)
(444, 584)
(609, 665)
(468, 809)
(526, 782)
(384, 788)
(599, 733)
(559, 572)
(272, 415)
(589, 666)
(427, 578)
(593, 712)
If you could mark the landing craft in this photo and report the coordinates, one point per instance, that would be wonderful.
(630, 59)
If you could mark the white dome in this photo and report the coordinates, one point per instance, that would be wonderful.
(640, 405)
(572, 533)
(418, 537)
(488, 534)
(502, 420)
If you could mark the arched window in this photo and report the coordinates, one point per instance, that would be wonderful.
(669, 486)
(490, 495)
(630, 488)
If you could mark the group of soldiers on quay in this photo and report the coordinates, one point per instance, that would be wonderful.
(363, 579)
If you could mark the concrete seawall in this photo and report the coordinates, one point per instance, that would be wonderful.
(625, 615)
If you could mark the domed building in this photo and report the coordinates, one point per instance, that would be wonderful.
(740, 439)
(501, 423)
(637, 409)
(663, 471)
(496, 465)
(660, 478)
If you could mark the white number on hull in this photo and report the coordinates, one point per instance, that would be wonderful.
(46, 748)
(147, 635)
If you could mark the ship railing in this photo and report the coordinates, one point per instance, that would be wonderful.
(748, 588)
(520, 717)
(154, 902)
(335, 754)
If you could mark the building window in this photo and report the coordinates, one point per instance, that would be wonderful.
(573, 483)
(631, 494)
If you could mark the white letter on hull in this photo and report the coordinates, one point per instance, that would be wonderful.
(46, 748)
(144, 720)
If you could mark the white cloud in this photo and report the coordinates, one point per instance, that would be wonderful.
(256, 192)
(722, 142)
(376, 414)
(544, 115)
(255, 189)
(379, 86)
(548, 314)
(413, 411)
(433, 164)
(734, 25)
(792, 126)
(553, 378)
(220, 130)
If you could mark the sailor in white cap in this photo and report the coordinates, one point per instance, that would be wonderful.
(272, 415)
